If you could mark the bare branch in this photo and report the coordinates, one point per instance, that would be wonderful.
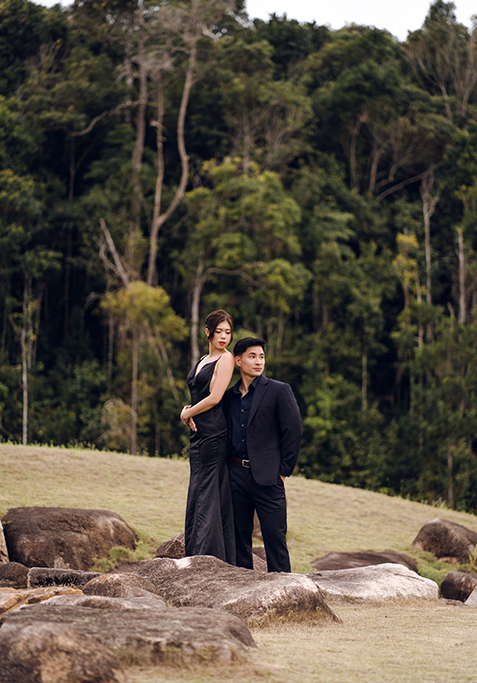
(399, 186)
(93, 122)
(119, 268)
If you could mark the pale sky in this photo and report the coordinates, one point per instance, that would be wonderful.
(397, 16)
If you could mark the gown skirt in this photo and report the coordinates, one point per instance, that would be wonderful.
(209, 524)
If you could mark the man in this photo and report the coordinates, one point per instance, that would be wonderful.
(264, 440)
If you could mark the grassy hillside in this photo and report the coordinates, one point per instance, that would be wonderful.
(398, 641)
(150, 494)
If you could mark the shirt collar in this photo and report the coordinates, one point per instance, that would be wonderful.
(252, 385)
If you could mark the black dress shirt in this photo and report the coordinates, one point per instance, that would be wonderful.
(239, 412)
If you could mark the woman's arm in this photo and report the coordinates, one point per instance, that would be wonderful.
(223, 374)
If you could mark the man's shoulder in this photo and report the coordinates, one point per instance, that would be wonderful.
(275, 384)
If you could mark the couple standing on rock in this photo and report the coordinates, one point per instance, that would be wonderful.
(244, 442)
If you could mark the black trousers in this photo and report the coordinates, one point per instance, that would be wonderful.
(271, 506)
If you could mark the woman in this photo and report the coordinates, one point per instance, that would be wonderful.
(209, 527)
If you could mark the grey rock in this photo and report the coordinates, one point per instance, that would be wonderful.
(13, 575)
(259, 550)
(3, 547)
(204, 581)
(39, 577)
(11, 599)
(446, 540)
(374, 583)
(150, 637)
(257, 529)
(103, 602)
(175, 548)
(363, 558)
(458, 585)
(472, 599)
(54, 653)
(64, 538)
(122, 586)
(259, 562)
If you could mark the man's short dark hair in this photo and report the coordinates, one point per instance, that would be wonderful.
(243, 344)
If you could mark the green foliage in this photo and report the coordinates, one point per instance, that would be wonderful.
(305, 214)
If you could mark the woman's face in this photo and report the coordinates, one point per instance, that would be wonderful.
(222, 336)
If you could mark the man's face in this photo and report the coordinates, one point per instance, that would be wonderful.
(252, 362)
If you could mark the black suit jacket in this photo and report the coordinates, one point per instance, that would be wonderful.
(273, 430)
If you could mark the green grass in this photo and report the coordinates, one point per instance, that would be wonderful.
(393, 642)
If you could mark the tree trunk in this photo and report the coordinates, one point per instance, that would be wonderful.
(134, 400)
(161, 219)
(450, 478)
(364, 381)
(353, 167)
(24, 382)
(159, 182)
(461, 257)
(194, 328)
(140, 122)
(430, 197)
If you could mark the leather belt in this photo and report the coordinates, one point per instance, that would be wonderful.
(240, 461)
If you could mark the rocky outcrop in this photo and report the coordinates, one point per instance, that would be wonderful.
(33, 652)
(446, 540)
(3, 547)
(374, 583)
(11, 599)
(363, 558)
(39, 577)
(13, 575)
(204, 581)
(67, 538)
(259, 562)
(146, 636)
(174, 548)
(103, 602)
(458, 586)
(123, 586)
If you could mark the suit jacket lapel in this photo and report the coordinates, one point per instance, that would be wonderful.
(259, 393)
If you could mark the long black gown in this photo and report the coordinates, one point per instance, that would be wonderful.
(209, 525)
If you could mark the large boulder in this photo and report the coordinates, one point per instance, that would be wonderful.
(175, 549)
(67, 538)
(13, 575)
(122, 586)
(149, 636)
(374, 583)
(11, 599)
(363, 558)
(54, 653)
(458, 585)
(446, 540)
(3, 547)
(204, 581)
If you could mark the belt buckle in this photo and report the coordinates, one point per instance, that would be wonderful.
(245, 463)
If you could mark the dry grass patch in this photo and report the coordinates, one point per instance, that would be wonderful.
(397, 643)
(325, 518)
(149, 493)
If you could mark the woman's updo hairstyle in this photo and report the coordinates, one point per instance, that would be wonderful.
(215, 318)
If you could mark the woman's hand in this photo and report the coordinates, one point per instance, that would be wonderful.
(184, 417)
(188, 421)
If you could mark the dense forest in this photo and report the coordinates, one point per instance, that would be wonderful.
(161, 160)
